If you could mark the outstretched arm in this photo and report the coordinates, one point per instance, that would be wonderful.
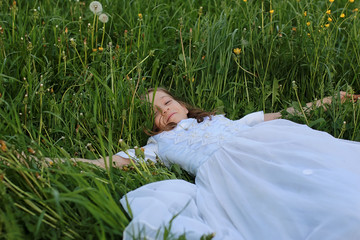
(319, 103)
(116, 160)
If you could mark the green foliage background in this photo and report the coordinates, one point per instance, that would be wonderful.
(71, 88)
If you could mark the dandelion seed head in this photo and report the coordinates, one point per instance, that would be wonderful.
(104, 18)
(95, 7)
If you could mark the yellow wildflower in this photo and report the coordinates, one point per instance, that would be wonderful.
(331, 1)
(342, 15)
(101, 49)
(305, 13)
(237, 51)
(245, 0)
(140, 16)
(308, 23)
(94, 50)
(3, 146)
(355, 10)
(351, 1)
(330, 19)
(294, 29)
(327, 25)
(328, 11)
(308, 34)
(30, 150)
(271, 11)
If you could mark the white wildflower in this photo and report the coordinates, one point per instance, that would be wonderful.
(104, 18)
(96, 7)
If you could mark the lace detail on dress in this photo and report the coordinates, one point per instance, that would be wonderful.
(199, 134)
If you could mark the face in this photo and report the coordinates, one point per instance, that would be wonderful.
(167, 109)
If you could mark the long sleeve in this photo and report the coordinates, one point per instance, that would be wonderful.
(151, 151)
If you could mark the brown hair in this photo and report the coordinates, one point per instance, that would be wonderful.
(194, 112)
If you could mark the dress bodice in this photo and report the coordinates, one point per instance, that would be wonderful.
(191, 143)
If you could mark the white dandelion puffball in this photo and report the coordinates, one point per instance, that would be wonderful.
(96, 7)
(104, 18)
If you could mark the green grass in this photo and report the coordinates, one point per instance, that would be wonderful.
(61, 98)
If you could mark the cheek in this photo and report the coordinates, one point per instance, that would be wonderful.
(157, 121)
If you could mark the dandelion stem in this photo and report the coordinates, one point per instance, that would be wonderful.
(253, 74)
(96, 28)
(92, 34)
(138, 41)
(103, 35)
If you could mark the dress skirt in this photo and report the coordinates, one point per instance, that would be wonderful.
(276, 180)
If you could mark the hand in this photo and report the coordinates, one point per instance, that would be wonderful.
(352, 97)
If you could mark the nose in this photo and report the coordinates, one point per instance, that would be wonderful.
(164, 110)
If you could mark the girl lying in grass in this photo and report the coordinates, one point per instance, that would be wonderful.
(255, 178)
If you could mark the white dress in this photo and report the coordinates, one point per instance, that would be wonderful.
(254, 180)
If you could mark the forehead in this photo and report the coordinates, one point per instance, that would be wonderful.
(158, 96)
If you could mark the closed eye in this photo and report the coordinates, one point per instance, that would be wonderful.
(167, 102)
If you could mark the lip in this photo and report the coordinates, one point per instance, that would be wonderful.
(170, 116)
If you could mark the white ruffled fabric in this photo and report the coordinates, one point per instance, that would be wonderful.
(254, 180)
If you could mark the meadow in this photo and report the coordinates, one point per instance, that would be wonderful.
(72, 77)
